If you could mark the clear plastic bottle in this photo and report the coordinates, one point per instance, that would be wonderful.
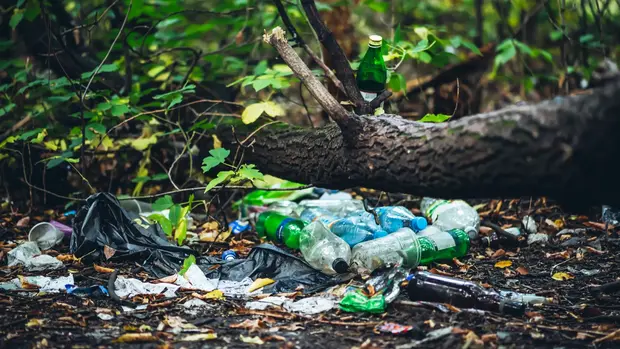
(339, 208)
(447, 215)
(323, 250)
(395, 217)
(401, 247)
(430, 230)
(353, 229)
(408, 249)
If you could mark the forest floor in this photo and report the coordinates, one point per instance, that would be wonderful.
(567, 269)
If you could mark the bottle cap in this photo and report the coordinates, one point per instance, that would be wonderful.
(229, 255)
(419, 223)
(375, 40)
(340, 265)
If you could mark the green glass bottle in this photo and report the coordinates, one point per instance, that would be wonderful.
(280, 228)
(372, 73)
(443, 246)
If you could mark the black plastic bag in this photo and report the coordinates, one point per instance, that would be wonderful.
(103, 222)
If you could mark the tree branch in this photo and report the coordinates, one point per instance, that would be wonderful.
(300, 42)
(277, 39)
(339, 59)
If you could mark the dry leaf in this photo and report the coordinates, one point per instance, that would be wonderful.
(108, 251)
(251, 325)
(444, 266)
(25, 284)
(558, 255)
(582, 336)
(136, 337)
(67, 258)
(289, 328)
(35, 323)
(522, 271)
(199, 337)
(595, 251)
(489, 337)
(503, 264)
(171, 279)
(101, 269)
(215, 294)
(260, 283)
(457, 262)
(72, 321)
(274, 337)
(23, 222)
(210, 236)
(498, 253)
(596, 225)
(562, 276)
(251, 340)
(508, 273)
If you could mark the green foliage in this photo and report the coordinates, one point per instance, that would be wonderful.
(163, 203)
(218, 156)
(435, 118)
(187, 263)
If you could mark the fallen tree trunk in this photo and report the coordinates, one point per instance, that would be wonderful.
(566, 149)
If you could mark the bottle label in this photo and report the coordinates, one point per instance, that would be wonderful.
(368, 96)
(280, 230)
(442, 240)
(436, 208)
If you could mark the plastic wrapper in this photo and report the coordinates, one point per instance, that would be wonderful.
(104, 231)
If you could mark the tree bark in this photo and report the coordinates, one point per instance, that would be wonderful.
(566, 149)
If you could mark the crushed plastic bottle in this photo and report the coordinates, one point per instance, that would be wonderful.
(323, 250)
(380, 289)
(408, 249)
(352, 229)
(431, 287)
(610, 215)
(447, 215)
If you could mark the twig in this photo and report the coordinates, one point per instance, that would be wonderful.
(299, 40)
(277, 38)
(120, 31)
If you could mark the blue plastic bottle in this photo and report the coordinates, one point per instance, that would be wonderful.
(352, 229)
(395, 217)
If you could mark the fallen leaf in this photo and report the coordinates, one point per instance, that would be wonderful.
(25, 284)
(489, 337)
(67, 258)
(211, 236)
(215, 294)
(596, 225)
(289, 328)
(108, 251)
(168, 279)
(558, 255)
(251, 325)
(260, 283)
(498, 253)
(595, 251)
(508, 273)
(458, 263)
(251, 340)
(274, 337)
(72, 321)
(101, 269)
(582, 336)
(136, 337)
(199, 337)
(522, 271)
(503, 264)
(23, 222)
(35, 323)
(562, 276)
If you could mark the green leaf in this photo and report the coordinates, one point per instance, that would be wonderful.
(7, 109)
(260, 68)
(398, 35)
(249, 172)
(175, 214)
(163, 203)
(20, 3)
(435, 118)
(586, 38)
(187, 263)
(119, 110)
(397, 82)
(94, 129)
(59, 99)
(159, 177)
(472, 47)
(103, 106)
(17, 17)
(26, 135)
(164, 222)
(221, 178)
(32, 10)
(273, 109)
(260, 84)
(217, 157)
(425, 57)
(555, 35)
(106, 68)
(180, 233)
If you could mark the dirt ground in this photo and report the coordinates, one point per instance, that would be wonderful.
(568, 269)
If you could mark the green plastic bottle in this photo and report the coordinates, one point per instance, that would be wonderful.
(372, 73)
(443, 246)
(280, 228)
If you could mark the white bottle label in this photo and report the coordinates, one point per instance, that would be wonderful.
(442, 240)
(368, 96)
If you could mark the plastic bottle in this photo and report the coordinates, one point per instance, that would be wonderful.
(323, 250)
(280, 228)
(406, 248)
(393, 218)
(339, 208)
(429, 230)
(352, 229)
(447, 215)
(372, 72)
(229, 255)
(425, 286)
